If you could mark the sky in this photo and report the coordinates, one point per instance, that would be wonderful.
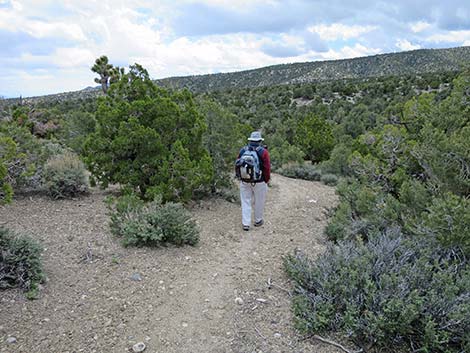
(49, 46)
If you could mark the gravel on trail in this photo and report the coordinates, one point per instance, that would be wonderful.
(228, 294)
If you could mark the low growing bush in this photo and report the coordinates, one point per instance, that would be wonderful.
(65, 176)
(448, 219)
(153, 223)
(329, 179)
(389, 293)
(20, 262)
(285, 154)
(301, 171)
(362, 212)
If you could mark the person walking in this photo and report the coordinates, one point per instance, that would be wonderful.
(253, 168)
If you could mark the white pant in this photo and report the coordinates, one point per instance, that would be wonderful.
(247, 190)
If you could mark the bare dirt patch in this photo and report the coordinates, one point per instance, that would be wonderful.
(101, 297)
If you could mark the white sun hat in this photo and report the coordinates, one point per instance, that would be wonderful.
(255, 136)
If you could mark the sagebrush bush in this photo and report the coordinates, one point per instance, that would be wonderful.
(388, 293)
(153, 223)
(20, 261)
(65, 176)
(301, 171)
(329, 179)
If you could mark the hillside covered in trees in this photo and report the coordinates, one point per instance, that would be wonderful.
(393, 64)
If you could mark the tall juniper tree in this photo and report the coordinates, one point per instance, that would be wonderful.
(149, 139)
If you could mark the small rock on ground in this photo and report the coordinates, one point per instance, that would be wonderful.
(138, 347)
(11, 340)
(136, 277)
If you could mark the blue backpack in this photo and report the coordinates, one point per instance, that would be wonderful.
(248, 166)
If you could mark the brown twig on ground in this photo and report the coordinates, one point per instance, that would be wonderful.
(271, 284)
(259, 333)
(333, 343)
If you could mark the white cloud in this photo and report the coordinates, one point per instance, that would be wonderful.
(142, 31)
(340, 31)
(16, 5)
(72, 57)
(239, 5)
(38, 82)
(39, 29)
(207, 55)
(404, 44)
(14, 20)
(451, 37)
(346, 52)
(420, 26)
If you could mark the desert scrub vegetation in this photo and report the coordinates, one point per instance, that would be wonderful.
(301, 171)
(20, 262)
(397, 276)
(390, 293)
(20, 155)
(23, 156)
(140, 223)
(329, 179)
(308, 172)
(65, 176)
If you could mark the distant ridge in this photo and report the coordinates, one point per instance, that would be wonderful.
(392, 64)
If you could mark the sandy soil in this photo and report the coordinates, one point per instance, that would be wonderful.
(185, 300)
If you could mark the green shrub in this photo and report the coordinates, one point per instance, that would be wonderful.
(222, 139)
(315, 136)
(301, 171)
(152, 224)
(363, 211)
(65, 176)
(8, 153)
(329, 179)
(285, 154)
(20, 262)
(20, 154)
(76, 127)
(448, 219)
(388, 293)
(338, 163)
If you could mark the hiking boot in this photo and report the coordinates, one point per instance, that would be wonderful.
(259, 223)
(246, 228)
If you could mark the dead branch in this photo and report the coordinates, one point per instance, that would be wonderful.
(259, 333)
(270, 284)
(337, 345)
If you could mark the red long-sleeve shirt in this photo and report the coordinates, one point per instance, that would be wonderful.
(265, 161)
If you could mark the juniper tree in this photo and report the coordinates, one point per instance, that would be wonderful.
(315, 137)
(149, 139)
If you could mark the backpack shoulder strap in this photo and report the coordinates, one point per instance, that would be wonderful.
(259, 151)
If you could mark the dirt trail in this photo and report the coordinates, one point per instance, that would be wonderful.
(185, 300)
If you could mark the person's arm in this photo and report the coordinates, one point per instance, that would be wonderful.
(266, 166)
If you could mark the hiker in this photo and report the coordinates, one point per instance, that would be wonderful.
(253, 168)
